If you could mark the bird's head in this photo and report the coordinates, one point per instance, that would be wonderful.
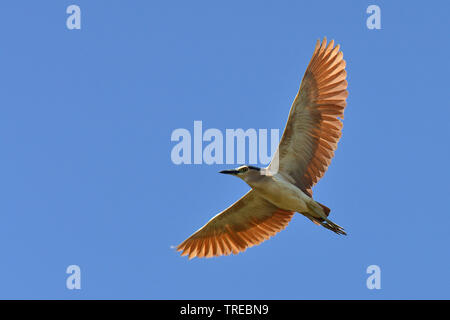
(249, 174)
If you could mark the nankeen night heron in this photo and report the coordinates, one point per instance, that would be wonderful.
(305, 151)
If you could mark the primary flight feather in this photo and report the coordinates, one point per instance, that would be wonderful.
(305, 151)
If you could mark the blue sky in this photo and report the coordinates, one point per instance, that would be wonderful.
(87, 177)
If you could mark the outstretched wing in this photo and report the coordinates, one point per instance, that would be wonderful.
(313, 128)
(248, 222)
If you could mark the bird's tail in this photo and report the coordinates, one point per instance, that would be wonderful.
(323, 211)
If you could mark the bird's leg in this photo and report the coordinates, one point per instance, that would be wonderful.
(333, 227)
(317, 211)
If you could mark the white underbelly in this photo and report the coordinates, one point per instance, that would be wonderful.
(285, 195)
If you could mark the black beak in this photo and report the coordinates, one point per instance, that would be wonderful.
(229, 171)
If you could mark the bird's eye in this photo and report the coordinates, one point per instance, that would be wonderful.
(244, 169)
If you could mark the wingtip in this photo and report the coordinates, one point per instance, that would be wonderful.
(331, 44)
(324, 43)
(179, 247)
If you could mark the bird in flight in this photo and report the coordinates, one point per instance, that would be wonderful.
(305, 151)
